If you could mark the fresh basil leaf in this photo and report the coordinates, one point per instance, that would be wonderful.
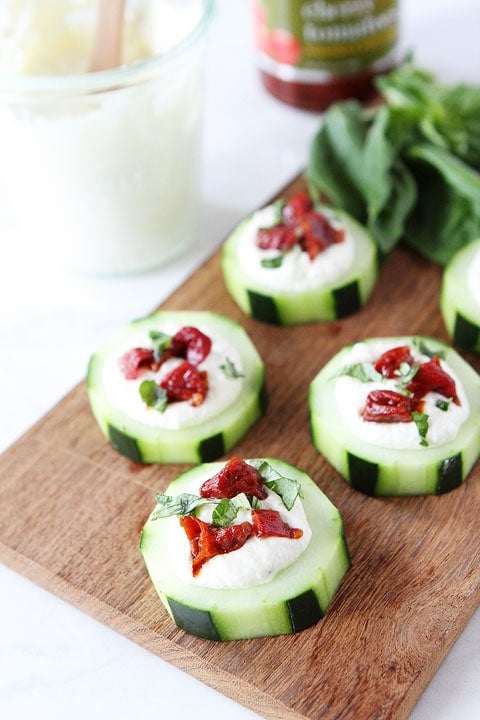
(388, 224)
(430, 352)
(226, 511)
(287, 488)
(421, 421)
(272, 262)
(230, 370)
(409, 169)
(183, 504)
(443, 404)
(406, 373)
(446, 216)
(364, 372)
(328, 173)
(161, 342)
(153, 395)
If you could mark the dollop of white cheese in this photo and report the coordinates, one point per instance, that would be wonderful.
(55, 37)
(255, 563)
(223, 390)
(296, 272)
(351, 395)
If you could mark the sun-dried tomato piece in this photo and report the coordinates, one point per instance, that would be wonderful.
(317, 233)
(207, 541)
(296, 207)
(389, 362)
(136, 360)
(387, 406)
(278, 237)
(186, 382)
(269, 523)
(192, 344)
(431, 377)
(234, 478)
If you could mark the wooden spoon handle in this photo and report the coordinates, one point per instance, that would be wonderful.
(107, 43)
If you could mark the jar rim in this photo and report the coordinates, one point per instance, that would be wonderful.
(104, 80)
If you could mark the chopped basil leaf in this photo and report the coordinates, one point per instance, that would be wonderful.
(161, 341)
(153, 395)
(443, 404)
(272, 262)
(180, 505)
(227, 509)
(421, 421)
(405, 373)
(365, 372)
(286, 488)
(425, 350)
(230, 370)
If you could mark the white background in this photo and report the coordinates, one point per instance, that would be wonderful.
(56, 662)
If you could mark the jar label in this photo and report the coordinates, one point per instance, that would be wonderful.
(337, 36)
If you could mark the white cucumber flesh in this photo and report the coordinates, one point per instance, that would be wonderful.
(296, 598)
(207, 440)
(383, 471)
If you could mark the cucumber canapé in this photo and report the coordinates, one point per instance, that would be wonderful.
(177, 387)
(460, 297)
(243, 549)
(292, 262)
(397, 416)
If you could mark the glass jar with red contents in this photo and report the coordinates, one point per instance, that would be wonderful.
(311, 53)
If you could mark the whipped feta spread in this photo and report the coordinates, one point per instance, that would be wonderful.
(473, 278)
(55, 37)
(255, 563)
(297, 272)
(223, 390)
(351, 395)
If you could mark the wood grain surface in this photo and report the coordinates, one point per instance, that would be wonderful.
(71, 511)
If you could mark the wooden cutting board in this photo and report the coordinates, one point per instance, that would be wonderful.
(71, 511)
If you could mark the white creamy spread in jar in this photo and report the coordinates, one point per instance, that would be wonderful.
(351, 395)
(54, 37)
(296, 272)
(101, 178)
(223, 390)
(255, 563)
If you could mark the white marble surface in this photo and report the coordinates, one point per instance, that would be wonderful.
(56, 662)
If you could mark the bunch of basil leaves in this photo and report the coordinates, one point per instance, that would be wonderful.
(408, 168)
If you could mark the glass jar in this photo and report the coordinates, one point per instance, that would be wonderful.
(101, 170)
(311, 53)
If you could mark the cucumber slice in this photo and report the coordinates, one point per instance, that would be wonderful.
(271, 295)
(139, 432)
(460, 308)
(380, 470)
(297, 596)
